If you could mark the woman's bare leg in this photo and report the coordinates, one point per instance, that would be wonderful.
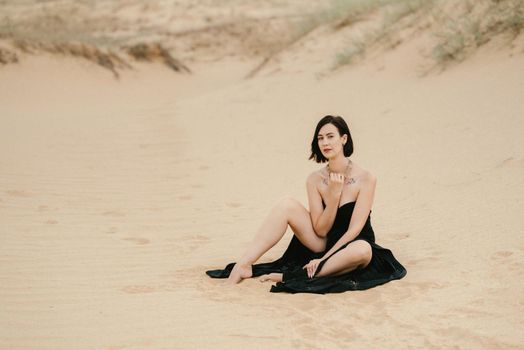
(357, 253)
(273, 277)
(287, 211)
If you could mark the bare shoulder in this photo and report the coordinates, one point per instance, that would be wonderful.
(315, 177)
(362, 175)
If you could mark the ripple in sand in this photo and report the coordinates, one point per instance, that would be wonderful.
(137, 240)
(138, 289)
(400, 236)
(112, 229)
(501, 254)
(508, 162)
(19, 193)
(114, 213)
(43, 208)
(233, 204)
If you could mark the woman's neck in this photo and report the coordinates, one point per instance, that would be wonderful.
(338, 164)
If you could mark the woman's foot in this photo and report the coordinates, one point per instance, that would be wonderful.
(273, 277)
(240, 272)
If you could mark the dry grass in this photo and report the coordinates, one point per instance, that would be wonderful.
(457, 29)
(396, 17)
(342, 13)
(68, 28)
(104, 58)
(113, 60)
(7, 56)
(156, 52)
(107, 34)
(104, 33)
(473, 25)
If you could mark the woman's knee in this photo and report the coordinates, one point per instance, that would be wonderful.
(362, 251)
(288, 204)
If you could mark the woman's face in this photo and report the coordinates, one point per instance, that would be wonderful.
(329, 141)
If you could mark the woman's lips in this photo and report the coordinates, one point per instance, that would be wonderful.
(327, 149)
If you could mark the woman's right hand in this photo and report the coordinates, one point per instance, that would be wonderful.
(335, 185)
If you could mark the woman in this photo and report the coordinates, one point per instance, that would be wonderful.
(333, 248)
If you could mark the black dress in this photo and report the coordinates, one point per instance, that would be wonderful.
(382, 268)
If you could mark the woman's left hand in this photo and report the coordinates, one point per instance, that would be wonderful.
(312, 267)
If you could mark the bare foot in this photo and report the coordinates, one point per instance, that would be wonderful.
(273, 277)
(239, 272)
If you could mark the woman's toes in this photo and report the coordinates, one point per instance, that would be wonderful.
(273, 277)
(263, 278)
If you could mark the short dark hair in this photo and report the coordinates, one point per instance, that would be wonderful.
(342, 127)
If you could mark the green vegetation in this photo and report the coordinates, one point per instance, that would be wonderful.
(458, 28)
(68, 28)
(474, 26)
(98, 32)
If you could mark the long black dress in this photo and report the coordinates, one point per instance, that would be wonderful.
(382, 268)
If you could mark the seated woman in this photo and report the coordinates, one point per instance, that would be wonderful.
(333, 248)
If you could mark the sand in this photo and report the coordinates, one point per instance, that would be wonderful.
(117, 195)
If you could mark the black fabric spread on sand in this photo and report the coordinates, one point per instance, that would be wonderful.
(382, 268)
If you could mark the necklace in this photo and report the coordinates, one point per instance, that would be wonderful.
(347, 180)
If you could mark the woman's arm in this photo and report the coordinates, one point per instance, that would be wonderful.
(360, 213)
(321, 218)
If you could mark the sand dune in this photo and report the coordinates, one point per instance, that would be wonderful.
(117, 195)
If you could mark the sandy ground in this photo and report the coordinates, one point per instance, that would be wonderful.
(117, 195)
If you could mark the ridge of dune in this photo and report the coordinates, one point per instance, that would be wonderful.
(117, 34)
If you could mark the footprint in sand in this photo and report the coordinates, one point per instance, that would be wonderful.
(137, 289)
(116, 347)
(137, 240)
(112, 229)
(401, 295)
(253, 337)
(19, 193)
(199, 238)
(510, 162)
(428, 259)
(400, 236)
(468, 310)
(190, 243)
(114, 213)
(42, 208)
(501, 254)
(433, 285)
(233, 204)
(154, 209)
(420, 287)
(516, 268)
(456, 333)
